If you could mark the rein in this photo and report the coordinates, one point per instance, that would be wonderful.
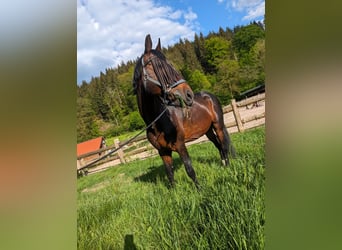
(126, 142)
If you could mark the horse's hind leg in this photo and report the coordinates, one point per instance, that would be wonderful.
(166, 156)
(230, 148)
(218, 133)
(224, 142)
(219, 144)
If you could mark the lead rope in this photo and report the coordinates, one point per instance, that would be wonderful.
(184, 107)
(125, 143)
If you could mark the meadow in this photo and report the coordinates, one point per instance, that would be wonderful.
(131, 206)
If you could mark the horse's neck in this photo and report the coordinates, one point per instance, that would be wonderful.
(150, 107)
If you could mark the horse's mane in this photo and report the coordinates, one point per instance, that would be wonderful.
(164, 71)
(136, 75)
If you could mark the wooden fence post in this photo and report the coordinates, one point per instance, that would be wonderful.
(79, 164)
(120, 151)
(237, 116)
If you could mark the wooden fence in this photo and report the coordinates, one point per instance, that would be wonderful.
(238, 116)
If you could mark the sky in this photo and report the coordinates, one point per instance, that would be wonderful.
(113, 31)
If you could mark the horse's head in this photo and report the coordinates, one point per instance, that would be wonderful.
(159, 77)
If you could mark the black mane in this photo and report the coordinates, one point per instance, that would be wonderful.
(137, 75)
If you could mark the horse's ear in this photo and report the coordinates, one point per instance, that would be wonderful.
(148, 44)
(158, 45)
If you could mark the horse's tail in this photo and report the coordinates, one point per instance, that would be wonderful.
(231, 148)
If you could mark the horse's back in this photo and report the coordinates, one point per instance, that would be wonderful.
(204, 96)
(203, 101)
(201, 117)
(212, 103)
(209, 100)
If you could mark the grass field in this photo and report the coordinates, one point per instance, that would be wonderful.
(132, 207)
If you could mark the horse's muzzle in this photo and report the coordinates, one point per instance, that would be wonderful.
(189, 97)
(183, 97)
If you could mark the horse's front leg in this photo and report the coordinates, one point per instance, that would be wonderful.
(184, 155)
(166, 156)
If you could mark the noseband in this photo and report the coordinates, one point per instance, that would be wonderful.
(147, 78)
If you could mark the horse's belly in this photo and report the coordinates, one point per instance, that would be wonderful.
(194, 130)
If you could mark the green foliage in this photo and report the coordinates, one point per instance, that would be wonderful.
(217, 49)
(198, 81)
(189, 56)
(244, 39)
(135, 121)
(132, 205)
(225, 63)
(227, 79)
(86, 120)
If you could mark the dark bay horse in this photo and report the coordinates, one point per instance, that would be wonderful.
(187, 116)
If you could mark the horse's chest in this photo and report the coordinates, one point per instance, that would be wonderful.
(163, 140)
(167, 141)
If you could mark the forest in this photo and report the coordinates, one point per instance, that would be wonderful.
(225, 63)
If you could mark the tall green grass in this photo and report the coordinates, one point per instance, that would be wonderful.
(132, 207)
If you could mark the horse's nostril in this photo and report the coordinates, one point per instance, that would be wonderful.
(189, 97)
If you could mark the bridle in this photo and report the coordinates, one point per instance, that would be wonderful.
(166, 89)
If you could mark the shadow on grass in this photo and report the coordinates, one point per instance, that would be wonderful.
(129, 242)
(155, 173)
(207, 160)
(213, 159)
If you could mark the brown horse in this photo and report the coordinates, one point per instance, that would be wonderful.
(185, 116)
